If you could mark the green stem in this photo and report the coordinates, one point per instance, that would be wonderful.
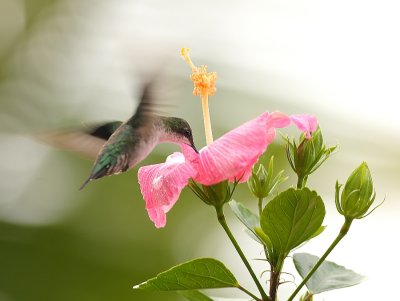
(222, 221)
(301, 181)
(343, 231)
(260, 206)
(260, 209)
(248, 293)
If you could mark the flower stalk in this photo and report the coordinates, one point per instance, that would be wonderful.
(343, 231)
(222, 221)
(301, 182)
(260, 206)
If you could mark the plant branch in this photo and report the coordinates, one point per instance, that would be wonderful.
(222, 221)
(260, 206)
(343, 231)
(301, 181)
(274, 283)
(275, 275)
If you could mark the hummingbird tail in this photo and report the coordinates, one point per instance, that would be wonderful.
(85, 183)
(96, 175)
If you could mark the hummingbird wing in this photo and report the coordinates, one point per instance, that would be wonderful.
(87, 141)
(104, 131)
(145, 109)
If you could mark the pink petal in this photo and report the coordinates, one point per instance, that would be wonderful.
(276, 120)
(305, 123)
(234, 154)
(161, 185)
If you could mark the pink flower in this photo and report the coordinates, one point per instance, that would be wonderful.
(231, 156)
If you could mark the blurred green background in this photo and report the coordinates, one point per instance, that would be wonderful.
(68, 63)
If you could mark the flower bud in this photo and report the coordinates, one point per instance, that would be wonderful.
(262, 182)
(306, 157)
(215, 195)
(357, 195)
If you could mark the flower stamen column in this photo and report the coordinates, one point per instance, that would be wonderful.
(204, 86)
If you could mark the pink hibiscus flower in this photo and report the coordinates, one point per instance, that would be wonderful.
(230, 157)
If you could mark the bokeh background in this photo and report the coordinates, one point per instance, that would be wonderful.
(68, 63)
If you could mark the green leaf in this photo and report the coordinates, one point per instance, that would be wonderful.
(263, 237)
(248, 218)
(318, 232)
(292, 218)
(328, 276)
(253, 236)
(196, 274)
(195, 296)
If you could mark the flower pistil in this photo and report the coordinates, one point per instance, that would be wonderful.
(204, 86)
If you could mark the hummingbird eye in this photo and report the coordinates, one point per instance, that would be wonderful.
(187, 132)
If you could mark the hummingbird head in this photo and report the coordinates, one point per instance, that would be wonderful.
(178, 130)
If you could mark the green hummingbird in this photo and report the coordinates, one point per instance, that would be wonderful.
(129, 142)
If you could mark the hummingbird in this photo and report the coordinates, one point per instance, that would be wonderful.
(130, 142)
(124, 144)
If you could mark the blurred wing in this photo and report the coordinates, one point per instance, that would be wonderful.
(150, 103)
(105, 130)
(87, 142)
(145, 108)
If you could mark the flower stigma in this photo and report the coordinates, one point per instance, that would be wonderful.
(204, 86)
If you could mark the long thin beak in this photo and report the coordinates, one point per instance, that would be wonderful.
(193, 146)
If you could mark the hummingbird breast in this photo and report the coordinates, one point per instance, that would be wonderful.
(142, 149)
(125, 149)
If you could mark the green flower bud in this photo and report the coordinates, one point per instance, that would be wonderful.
(262, 182)
(308, 156)
(215, 195)
(357, 195)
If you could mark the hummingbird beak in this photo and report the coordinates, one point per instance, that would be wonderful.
(193, 146)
